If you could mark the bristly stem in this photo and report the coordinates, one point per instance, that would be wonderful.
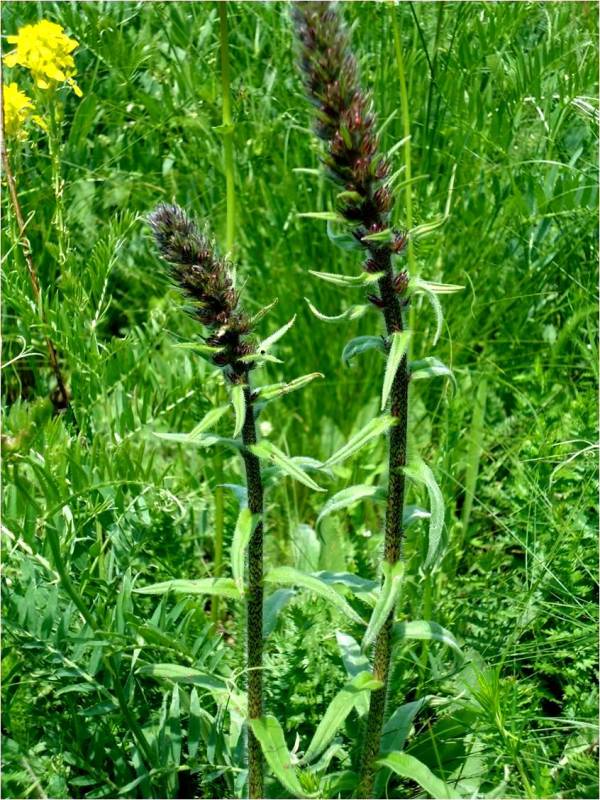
(254, 595)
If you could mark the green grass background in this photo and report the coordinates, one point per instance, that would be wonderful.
(505, 93)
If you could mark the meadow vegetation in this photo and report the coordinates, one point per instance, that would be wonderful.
(113, 689)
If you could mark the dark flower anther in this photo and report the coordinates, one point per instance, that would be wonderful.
(206, 280)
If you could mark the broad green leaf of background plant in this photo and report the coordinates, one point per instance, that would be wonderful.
(429, 368)
(396, 729)
(371, 430)
(398, 348)
(407, 766)
(348, 497)
(420, 472)
(425, 630)
(337, 711)
(288, 576)
(386, 601)
(269, 733)
(270, 452)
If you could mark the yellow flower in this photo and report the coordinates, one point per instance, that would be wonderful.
(18, 108)
(45, 49)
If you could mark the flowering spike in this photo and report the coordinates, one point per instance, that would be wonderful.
(207, 281)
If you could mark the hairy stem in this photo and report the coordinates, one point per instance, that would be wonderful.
(393, 530)
(254, 599)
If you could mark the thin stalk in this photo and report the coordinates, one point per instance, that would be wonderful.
(61, 398)
(393, 531)
(58, 186)
(229, 242)
(227, 129)
(254, 599)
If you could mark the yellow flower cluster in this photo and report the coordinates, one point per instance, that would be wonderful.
(18, 109)
(45, 49)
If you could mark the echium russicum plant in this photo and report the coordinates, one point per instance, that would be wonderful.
(207, 282)
(352, 159)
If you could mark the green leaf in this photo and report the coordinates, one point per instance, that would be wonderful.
(439, 288)
(354, 312)
(409, 767)
(200, 440)
(245, 525)
(354, 659)
(345, 241)
(272, 606)
(398, 348)
(180, 674)
(272, 741)
(348, 497)
(288, 576)
(386, 236)
(396, 729)
(330, 216)
(388, 596)
(268, 451)
(420, 472)
(274, 337)
(337, 711)
(238, 401)
(198, 347)
(263, 312)
(371, 430)
(274, 390)
(421, 629)
(412, 514)
(421, 288)
(195, 724)
(195, 435)
(360, 345)
(429, 368)
(224, 587)
(348, 281)
(354, 582)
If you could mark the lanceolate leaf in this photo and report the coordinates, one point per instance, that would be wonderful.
(371, 430)
(421, 287)
(274, 390)
(272, 606)
(180, 674)
(200, 440)
(398, 348)
(246, 523)
(396, 729)
(440, 288)
(343, 240)
(419, 471)
(412, 514)
(354, 659)
(428, 631)
(410, 767)
(429, 368)
(224, 587)
(288, 576)
(329, 216)
(348, 497)
(339, 708)
(388, 596)
(354, 312)
(268, 451)
(360, 345)
(239, 407)
(272, 741)
(274, 337)
(195, 435)
(348, 281)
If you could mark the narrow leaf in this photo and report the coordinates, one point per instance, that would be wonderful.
(339, 708)
(272, 741)
(238, 401)
(424, 630)
(360, 345)
(329, 216)
(274, 337)
(268, 451)
(398, 348)
(224, 587)
(200, 440)
(371, 430)
(423, 288)
(410, 767)
(388, 596)
(396, 729)
(271, 392)
(195, 435)
(440, 288)
(180, 674)
(348, 281)
(288, 576)
(419, 471)
(412, 514)
(246, 523)
(348, 497)
(354, 312)
(354, 659)
(263, 312)
(429, 368)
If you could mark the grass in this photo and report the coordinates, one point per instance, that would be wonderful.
(503, 93)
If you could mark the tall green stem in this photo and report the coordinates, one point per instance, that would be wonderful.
(393, 528)
(229, 243)
(254, 602)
